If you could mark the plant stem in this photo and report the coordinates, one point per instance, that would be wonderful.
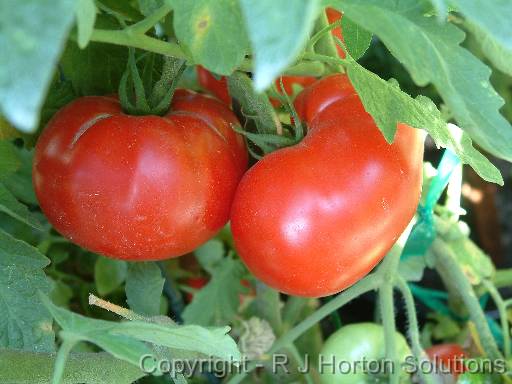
(502, 278)
(445, 263)
(123, 312)
(389, 267)
(502, 309)
(367, 284)
(413, 329)
(300, 362)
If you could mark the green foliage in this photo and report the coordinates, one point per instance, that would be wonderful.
(436, 57)
(277, 32)
(389, 105)
(144, 284)
(218, 301)
(212, 32)
(109, 274)
(357, 39)
(24, 324)
(85, 17)
(33, 32)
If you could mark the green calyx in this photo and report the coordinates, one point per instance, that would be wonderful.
(140, 95)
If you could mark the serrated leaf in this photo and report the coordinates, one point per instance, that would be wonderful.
(210, 254)
(24, 323)
(277, 30)
(498, 55)
(9, 158)
(437, 57)
(99, 332)
(212, 32)
(85, 17)
(491, 21)
(109, 274)
(15, 209)
(33, 32)
(144, 285)
(356, 39)
(214, 342)
(388, 105)
(217, 302)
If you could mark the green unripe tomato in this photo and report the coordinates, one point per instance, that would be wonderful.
(353, 344)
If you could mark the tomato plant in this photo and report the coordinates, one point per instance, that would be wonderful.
(449, 356)
(160, 189)
(273, 183)
(298, 198)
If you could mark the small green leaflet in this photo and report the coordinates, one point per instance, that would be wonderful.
(24, 324)
(109, 274)
(85, 18)
(144, 284)
(437, 57)
(15, 209)
(211, 32)
(33, 33)
(9, 159)
(278, 30)
(388, 105)
(218, 301)
(356, 39)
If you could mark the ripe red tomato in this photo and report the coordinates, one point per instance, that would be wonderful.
(450, 356)
(139, 187)
(217, 87)
(312, 219)
(333, 16)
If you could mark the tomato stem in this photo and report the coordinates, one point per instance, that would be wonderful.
(502, 309)
(121, 311)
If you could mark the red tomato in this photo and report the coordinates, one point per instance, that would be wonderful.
(450, 356)
(312, 219)
(217, 87)
(333, 16)
(139, 187)
(314, 99)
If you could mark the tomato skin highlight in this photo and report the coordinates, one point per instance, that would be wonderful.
(449, 355)
(355, 343)
(312, 219)
(137, 187)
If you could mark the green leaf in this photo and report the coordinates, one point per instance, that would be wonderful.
(9, 158)
(144, 284)
(388, 105)
(15, 209)
(147, 7)
(211, 32)
(95, 70)
(61, 294)
(499, 56)
(109, 274)
(278, 31)
(217, 302)
(213, 342)
(356, 39)
(24, 323)
(99, 332)
(210, 254)
(33, 32)
(490, 21)
(7, 131)
(20, 182)
(85, 17)
(437, 57)
(411, 269)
